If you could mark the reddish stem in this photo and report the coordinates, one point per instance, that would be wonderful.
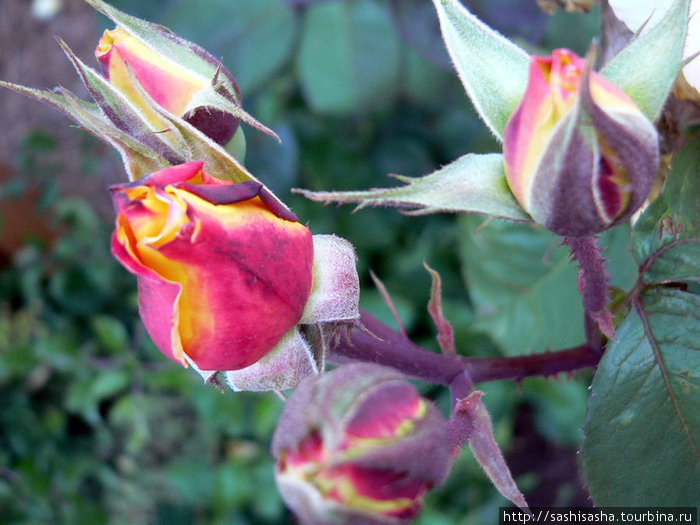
(518, 367)
(379, 343)
(593, 286)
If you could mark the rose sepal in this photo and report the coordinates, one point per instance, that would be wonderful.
(647, 67)
(219, 162)
(492, 69)
(471, 184)
(137, 158)
(284, 367)
(124, 115)
(335, 293)
(210, 99)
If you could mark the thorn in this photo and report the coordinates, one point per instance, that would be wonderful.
(488, 221)
(445, 335)
(387, 299)
(218, 70)
(605, 323)
(279, 394)
(214, 380)
(365, 330)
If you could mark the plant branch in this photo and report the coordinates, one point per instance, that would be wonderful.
(483, 369)
(593, 287)
(378, 343)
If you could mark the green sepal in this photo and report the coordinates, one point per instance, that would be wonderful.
(218, 162)
(138, 159)
(200, 147)
(209, 97)
(471, 184)
(647, 67)
(196, 145)
(123, 114)
(493, 69)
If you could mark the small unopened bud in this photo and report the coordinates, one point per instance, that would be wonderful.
(358, 445)
(181, 90)
(579, 154)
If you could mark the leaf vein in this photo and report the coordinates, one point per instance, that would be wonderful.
(664, 374)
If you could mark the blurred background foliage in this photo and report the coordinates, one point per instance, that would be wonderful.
(97, 427)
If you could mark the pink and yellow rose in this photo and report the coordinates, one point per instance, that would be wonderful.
(125, 59)
(579, 154)
(224, 272)
(359, 445)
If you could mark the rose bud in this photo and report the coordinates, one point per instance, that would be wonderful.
(224, 271)
(579, 154)
(178, 89)
(358, 445)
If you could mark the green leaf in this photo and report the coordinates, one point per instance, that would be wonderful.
(423, 82)
(647, 67)
(494, 71)
(617, 249)
(349, 56)
(471, 184)
(522, 286)
(110, 332)
(560, 408)
(667, 236)
(642, 431)
(86, 393)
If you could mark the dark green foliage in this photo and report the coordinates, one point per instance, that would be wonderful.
(643, 424)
